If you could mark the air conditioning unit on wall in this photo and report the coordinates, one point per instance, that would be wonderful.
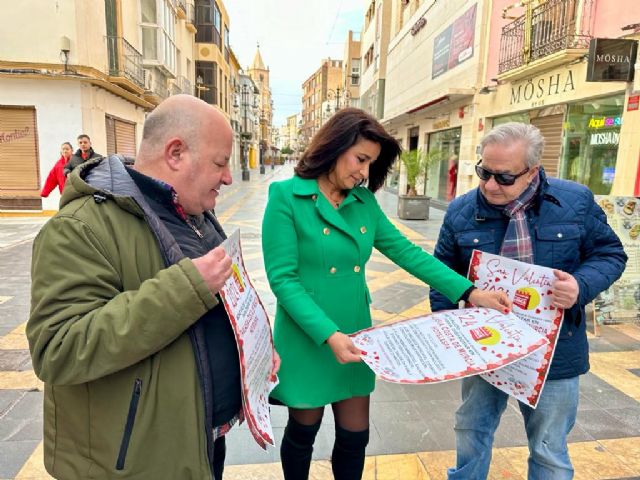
(148, 79)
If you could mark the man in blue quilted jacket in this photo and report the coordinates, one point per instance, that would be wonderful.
(518, 212)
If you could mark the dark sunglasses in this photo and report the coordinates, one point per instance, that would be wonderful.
(501, 178)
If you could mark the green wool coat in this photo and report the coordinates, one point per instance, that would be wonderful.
(315, 259)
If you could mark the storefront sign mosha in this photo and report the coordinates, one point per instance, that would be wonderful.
(539, 87)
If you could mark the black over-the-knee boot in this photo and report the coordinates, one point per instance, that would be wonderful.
(296, 449)
(219, 452)
(347, 459)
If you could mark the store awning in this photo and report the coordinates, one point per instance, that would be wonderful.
(450, 95)
(437, 101)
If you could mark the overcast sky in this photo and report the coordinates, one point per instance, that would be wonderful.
(294, 35)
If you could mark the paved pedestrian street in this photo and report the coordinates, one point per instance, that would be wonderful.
(412, 426)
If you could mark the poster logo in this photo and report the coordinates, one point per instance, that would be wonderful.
(527, 298)
(485, 335)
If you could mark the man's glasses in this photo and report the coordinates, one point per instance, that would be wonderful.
(501, 178)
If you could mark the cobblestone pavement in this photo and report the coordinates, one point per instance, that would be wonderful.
(412, 426)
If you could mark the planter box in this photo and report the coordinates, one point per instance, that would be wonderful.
(414, 207)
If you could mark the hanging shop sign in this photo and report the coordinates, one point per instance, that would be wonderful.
(611, 60)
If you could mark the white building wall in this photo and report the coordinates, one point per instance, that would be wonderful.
(65, 109)
(96, 103)
(58, 116)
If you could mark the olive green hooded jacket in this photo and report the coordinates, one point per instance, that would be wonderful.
(112, 334)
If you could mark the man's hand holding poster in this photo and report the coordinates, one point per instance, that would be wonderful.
(529, 286)
(446, 345)
(255, 345)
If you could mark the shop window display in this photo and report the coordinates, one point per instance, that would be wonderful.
(442, 176)
(591, 139)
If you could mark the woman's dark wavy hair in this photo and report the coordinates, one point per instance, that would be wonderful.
(341, 132)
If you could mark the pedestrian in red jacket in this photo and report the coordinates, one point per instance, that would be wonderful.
(56, 176)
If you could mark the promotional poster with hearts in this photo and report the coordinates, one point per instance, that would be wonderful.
(529, 287)
(255, 345)
(446, 345)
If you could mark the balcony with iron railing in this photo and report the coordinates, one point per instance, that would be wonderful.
(125, 63)
(553, 32)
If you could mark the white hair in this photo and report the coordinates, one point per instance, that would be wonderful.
(510, 132)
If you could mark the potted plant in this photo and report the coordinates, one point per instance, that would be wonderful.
(412, 206)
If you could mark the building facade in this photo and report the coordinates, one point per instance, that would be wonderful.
(374, 47)
(213, 55)
(259, 73)
(234, 115)
(434, 66)
(352, 69)
(248, 103)
(75, 67)
(539, 71)
(323, 85)
(455, 69)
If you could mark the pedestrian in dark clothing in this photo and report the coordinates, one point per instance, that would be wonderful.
(84, 153)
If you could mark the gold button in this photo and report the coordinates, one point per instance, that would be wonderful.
(356, 268)
(314, 197)
(333, 270)
(363, 229)
(326, 231)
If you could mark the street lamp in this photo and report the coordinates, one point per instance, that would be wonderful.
(262, 141)
(341, 96)
(245, 103)
(201, 88)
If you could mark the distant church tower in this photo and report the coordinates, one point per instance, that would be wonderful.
(260, 75)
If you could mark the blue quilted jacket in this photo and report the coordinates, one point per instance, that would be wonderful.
(569, 232)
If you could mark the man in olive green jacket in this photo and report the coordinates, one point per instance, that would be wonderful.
(125, 327)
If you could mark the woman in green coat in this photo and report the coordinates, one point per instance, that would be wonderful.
(318, 231)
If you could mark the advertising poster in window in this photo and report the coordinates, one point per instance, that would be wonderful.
(529, 287)
(446, 345)
(454, 44)
(255, 345)
(621, 302)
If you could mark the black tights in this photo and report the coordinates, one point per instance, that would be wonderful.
(352, 435)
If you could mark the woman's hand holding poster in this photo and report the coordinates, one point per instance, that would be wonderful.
(255, 345)
(529, 286)
(446, 345)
